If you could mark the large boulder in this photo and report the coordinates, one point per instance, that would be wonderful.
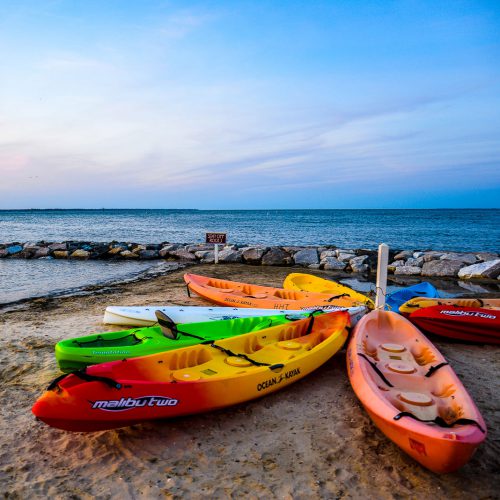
(345, 256)
(80, 254)
(148, 254)
(127, 254)
(490, 269)
(170, 248)
(486, 256)
(276, 257)
(358, 264)
(328, 253)
(306, 257)
(412, 261)
(405, 254)
(432, 255)
(442, 268)
(182, 255)
(466, 258)
(333, 264)
(57, 246)
(205, 256)
(254, 255)
(198, 247)
(60, 254)
(3, 252)
(408, 270)
(230, 255)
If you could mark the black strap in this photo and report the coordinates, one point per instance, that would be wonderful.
(231, 353)
(434, 369)
(87, 377)
(310, 325)
(187, 289)
(191, 335)
(376, 368)
(440, 421)
(338, 297)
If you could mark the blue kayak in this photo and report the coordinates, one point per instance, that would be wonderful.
(396, 299)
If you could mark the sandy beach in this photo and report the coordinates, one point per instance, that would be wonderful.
(310, 440)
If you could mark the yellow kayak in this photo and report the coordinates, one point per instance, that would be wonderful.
(310, 283)
(418, 303)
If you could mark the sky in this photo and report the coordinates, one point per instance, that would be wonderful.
(249, 104)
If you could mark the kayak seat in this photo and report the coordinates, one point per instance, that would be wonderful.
(187, 358)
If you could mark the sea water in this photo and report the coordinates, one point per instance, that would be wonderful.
(453, 230)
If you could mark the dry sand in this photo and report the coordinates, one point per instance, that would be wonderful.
(310, 440)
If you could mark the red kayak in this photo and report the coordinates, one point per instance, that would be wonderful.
(464, 323)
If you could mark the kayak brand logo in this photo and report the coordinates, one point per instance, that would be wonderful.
(125, 404)
(110, 353)
(277, 380)
(470, 314)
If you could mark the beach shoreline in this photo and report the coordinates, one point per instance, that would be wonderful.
(310, 440)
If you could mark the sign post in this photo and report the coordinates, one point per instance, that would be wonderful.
(216, 238)
(381, 287)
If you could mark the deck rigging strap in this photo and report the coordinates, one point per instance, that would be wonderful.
(87, 377)
(440, 421)
(211, 343)
(337, 297)
(434, 369)
(376, 368)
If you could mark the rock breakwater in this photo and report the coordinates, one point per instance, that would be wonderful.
(466, 265)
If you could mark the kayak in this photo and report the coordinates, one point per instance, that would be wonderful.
(411, 393)
(310, 283)
(472, 324)
(191, 380)
(233, 293)
(421, 302)
(75, 354)
(145, 315)
(396, 299)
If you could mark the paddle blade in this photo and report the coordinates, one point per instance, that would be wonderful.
(167, 325)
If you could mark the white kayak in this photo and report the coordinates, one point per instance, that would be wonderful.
(145, 315)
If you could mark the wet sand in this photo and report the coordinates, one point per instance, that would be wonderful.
(309, 440)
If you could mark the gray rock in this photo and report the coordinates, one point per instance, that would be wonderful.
(359, 268)
(345, 257)
(57, 246)
(276, 257)
(358, 261)
(412, 262)
(118, 249)
(408, 270)
(486, 256)
(328, 253)
(182, 255)
(3, 253)
(441, 268)
(253, 255)
(405, 254)
(41, 252)
(148, 254)
(331, 263)
(341, 250)
(31, 246)
(206, 257)
(432, 255)
(170, 248)
(127, 254)
(466, 258)
(417, 255)
(490, 269)
(306, 257)
(230, 255)
(201, 247)
(314, 266)
(294, 249)
(397, 263)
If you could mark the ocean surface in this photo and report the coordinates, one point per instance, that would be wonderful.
(454, 230)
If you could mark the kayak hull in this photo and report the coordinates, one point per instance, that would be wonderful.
(310, 283)
(192, 380)
(400, 379)
(145, 315)
(396, 299)
(462, 323)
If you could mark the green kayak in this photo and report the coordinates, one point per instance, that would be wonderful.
(75, 354)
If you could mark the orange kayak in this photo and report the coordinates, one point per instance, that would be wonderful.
(234, 294)
(411, 393)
